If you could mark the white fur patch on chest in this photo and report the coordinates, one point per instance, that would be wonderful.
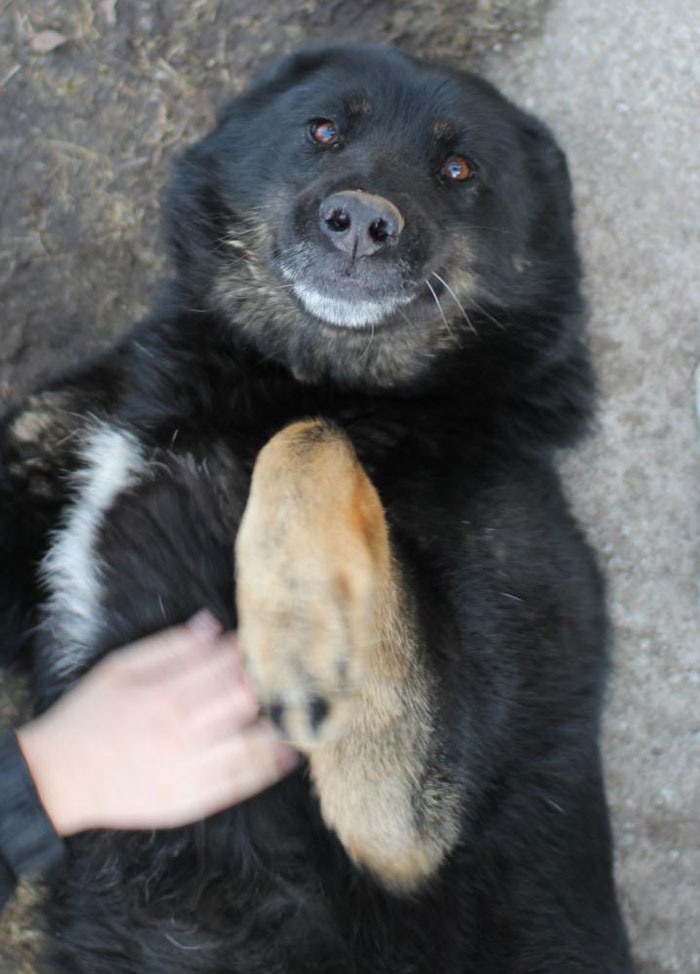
(113, 461)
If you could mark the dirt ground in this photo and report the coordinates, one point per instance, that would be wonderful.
(95, 100)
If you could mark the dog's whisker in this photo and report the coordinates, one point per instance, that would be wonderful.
(456, 299)
(482, 310)
(439, 306)
(404, 315)
(369, 343)
(474, 226)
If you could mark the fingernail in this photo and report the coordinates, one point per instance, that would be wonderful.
(287, 758)
(205, 625)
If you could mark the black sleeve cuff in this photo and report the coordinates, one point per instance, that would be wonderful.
(28, 841)
(7, 883)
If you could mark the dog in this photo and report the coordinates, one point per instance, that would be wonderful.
(337, 430)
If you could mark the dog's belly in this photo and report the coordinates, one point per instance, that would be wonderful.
(262, 888)
(265, 887)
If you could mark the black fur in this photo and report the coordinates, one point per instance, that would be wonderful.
(458, 435)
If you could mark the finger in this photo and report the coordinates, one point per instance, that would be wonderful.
(206, 625)
(223, 715)
(166, 650)
(259, 761)
(256, 750)
(218, 673)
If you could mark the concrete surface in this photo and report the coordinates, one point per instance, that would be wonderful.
(620, 84)
(86, 132)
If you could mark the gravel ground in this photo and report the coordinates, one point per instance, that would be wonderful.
(95, 97)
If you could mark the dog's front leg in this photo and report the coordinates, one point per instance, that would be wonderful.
(334, 654)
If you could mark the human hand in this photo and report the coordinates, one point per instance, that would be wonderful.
(158, 734)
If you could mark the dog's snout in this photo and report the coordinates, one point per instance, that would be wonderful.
(360, 224)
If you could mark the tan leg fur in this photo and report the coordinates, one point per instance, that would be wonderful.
(332, 651)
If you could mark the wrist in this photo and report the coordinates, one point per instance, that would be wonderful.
(53, 777)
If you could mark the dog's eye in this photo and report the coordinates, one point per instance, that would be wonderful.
(325, 132)
(457, 168)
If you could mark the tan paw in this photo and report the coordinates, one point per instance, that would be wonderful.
(312, 557)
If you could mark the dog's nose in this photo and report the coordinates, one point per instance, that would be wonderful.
(360, 224)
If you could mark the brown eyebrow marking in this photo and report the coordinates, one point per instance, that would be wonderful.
(444, 131)
(358, 105)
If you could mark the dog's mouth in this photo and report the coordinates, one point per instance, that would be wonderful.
(341, 310)
(384, 290)
(346, 294)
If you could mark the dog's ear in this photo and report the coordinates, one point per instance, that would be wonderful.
(278, 76)
(542, 149)
(549, 178)
(292, 68)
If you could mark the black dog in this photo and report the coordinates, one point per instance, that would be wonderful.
(375, 304)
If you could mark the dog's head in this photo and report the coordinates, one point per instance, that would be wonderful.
(360, 215)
